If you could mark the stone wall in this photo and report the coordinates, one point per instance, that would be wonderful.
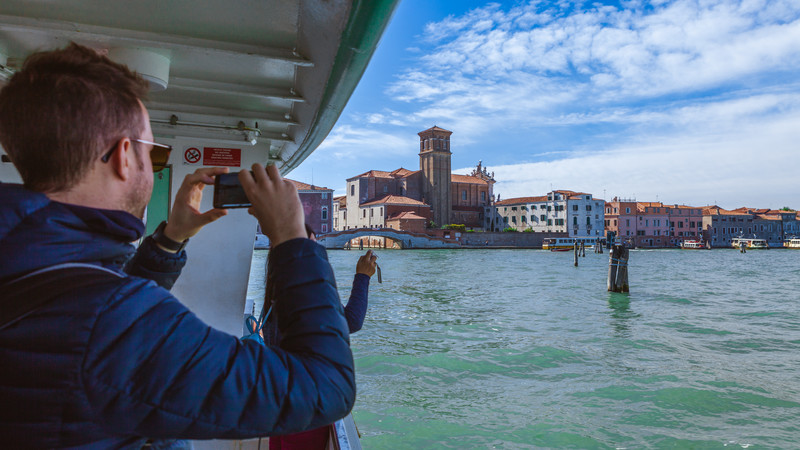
(510, 240)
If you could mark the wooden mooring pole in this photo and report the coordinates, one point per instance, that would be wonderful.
(583, 249)
(575, 252)
(618, 269)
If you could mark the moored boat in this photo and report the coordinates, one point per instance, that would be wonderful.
(793, 243)
(695, 244)
(749, 244)
(565, 244)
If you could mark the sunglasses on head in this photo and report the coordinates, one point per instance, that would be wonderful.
(159, 154)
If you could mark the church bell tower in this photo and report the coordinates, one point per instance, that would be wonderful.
(434, 162)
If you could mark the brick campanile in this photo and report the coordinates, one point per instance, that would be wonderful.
(434, 162)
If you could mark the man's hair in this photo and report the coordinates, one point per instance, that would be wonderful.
(63, 110)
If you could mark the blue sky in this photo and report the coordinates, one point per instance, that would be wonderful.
(688, 101)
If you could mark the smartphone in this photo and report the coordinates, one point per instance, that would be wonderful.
(228, 192)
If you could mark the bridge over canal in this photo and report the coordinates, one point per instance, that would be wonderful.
(406, 239)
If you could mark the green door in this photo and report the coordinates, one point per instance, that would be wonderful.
(158, 208)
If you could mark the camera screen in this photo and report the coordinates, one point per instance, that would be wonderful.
(228, 192)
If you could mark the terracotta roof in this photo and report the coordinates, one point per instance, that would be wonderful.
(401, 172)
(342, 200)
(408, 215)
(411, 173)
(307, 187)
(714, 210)
(435, 128)
(767, 217)
(397, 173)
(466, 179)
(393, 200)
(521, 200)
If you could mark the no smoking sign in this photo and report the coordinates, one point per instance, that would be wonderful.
(192, 155)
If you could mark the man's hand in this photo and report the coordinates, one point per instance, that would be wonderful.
(366, 264)
(276, 204)
(185, 219)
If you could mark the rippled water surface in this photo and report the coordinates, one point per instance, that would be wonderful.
(519, 349)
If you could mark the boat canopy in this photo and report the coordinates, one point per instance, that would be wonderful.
(273, 74)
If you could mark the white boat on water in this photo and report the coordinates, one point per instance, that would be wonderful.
(749, 244)
(564, 244)
(793, 243)
(695, 244)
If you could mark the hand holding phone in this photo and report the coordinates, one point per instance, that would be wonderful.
(275, 203)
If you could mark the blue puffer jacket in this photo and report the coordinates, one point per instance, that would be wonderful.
(106, 365)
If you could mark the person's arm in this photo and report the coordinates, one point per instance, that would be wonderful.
(356, 308)
(154, 369)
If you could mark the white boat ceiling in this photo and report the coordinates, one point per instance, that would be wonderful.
(246, 71)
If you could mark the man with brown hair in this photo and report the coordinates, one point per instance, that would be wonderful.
(95, 355)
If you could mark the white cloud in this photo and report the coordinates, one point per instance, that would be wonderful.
(729, 167)
(347, 142)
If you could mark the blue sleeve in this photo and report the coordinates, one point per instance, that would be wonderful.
(154, 369)
(356, 307)
(155, 264)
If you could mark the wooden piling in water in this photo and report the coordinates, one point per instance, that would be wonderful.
(575, 252)
(583, 249)
(618, 269)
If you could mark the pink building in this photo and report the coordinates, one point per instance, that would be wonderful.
(652, 225)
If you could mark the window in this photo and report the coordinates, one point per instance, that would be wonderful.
(324, 227)
(549, 222)
(371, 211)
(483, 196)
(588, 221)
(588, 207)
(463, 195)
(628, 222)
(533, 207)
(575, 220)
(324, 195)
(574, 207)
(513, 219)
(385, 188)
(548, 207)
(380, 211)
(324, 213)
(543, 218)
(505, 219)
(513, 208)
(365, 213)
(352, 189)
(640, 232)
(524, 219)
(680, 224)
(627, 210)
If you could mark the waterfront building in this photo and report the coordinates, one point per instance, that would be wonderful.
(652, 225)
(375, 198)
(685, 222)
(317, 206)
(774, 226)
(720, 226)
(621, 217)
(576, 213)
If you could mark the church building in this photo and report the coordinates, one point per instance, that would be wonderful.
(410, 200)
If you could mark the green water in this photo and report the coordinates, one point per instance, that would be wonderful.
(519, 349)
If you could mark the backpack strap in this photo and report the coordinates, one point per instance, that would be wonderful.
(26, 294)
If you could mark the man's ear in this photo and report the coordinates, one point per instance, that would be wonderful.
(123, 159)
